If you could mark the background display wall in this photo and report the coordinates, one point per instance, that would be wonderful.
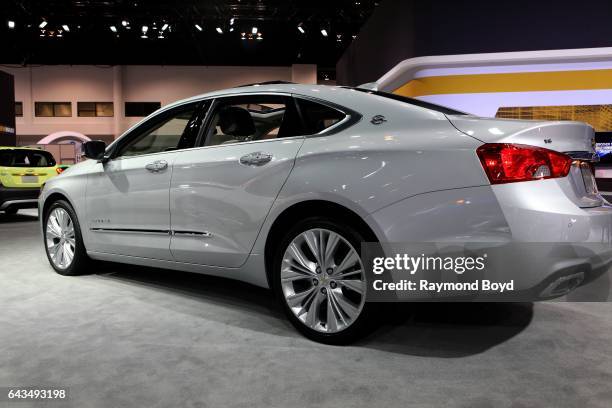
(402, 29)
(83, 102)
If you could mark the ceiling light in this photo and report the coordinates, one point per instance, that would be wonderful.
(144, 36)
(324, 32)
(301, 29)
(124, 23)
(199, 27)
(164, 27)
(219, 30)
(65, 27)
(113, 29)
(231, 29)
(254, 30)
(232, 21)
(11, 24)
(145, 29)
(43, 24)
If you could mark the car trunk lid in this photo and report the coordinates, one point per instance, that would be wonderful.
(575, 139)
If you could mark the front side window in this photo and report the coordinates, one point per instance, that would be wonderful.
(26, 158)
(172, 130)
(251, 118)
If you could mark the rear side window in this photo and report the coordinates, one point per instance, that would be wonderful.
(252, 117)
(318, 117)
(26, 158)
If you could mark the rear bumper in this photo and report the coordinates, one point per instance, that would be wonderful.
(578, 240)
(574, 244)
(18, 197)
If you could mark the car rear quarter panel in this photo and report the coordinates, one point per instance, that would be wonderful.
(369, 167)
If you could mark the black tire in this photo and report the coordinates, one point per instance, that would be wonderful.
(81, 263)
(363, 324)
(11, 211)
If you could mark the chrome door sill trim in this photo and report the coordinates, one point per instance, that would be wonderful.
(204, 234)
(131, 231)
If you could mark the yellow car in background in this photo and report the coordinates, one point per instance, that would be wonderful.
(22, 172)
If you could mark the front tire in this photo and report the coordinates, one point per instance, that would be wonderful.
(320, 280)
(63, 240)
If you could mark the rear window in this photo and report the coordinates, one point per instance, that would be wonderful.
(26, 158)
(318, 117)
(412, 101)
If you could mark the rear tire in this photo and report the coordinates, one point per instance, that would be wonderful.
(63, 240)
(319, 279)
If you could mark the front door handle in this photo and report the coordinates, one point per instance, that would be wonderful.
(256, 159)
(157, 166)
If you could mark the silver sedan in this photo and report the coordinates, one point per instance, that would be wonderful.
(279, 184)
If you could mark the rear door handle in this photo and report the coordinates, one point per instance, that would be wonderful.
(157, 166)
(256, 159)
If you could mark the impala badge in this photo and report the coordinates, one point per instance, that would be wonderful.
(378, 120)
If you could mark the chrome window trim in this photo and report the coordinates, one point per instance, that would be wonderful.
(351, 118)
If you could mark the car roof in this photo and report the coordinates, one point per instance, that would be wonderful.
(325, 92)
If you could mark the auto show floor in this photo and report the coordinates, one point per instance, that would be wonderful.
(132, 337)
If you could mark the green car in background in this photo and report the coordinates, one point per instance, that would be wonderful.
(23, 171)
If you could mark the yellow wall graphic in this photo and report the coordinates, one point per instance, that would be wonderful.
(512, 82)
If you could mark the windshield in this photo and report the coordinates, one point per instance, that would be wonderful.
(412, 101)
(26, 158)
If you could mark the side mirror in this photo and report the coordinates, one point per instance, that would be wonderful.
(94, 149)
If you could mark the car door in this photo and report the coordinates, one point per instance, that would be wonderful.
(128, 196)
(222, 192)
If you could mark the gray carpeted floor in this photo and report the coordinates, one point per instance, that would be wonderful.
(132, 337)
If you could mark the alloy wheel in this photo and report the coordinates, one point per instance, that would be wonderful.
(60, 238)
(323, 280)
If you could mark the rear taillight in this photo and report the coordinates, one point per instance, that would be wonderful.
(509, 163)
(59, 170)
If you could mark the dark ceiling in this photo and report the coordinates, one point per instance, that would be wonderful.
(90, 39)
